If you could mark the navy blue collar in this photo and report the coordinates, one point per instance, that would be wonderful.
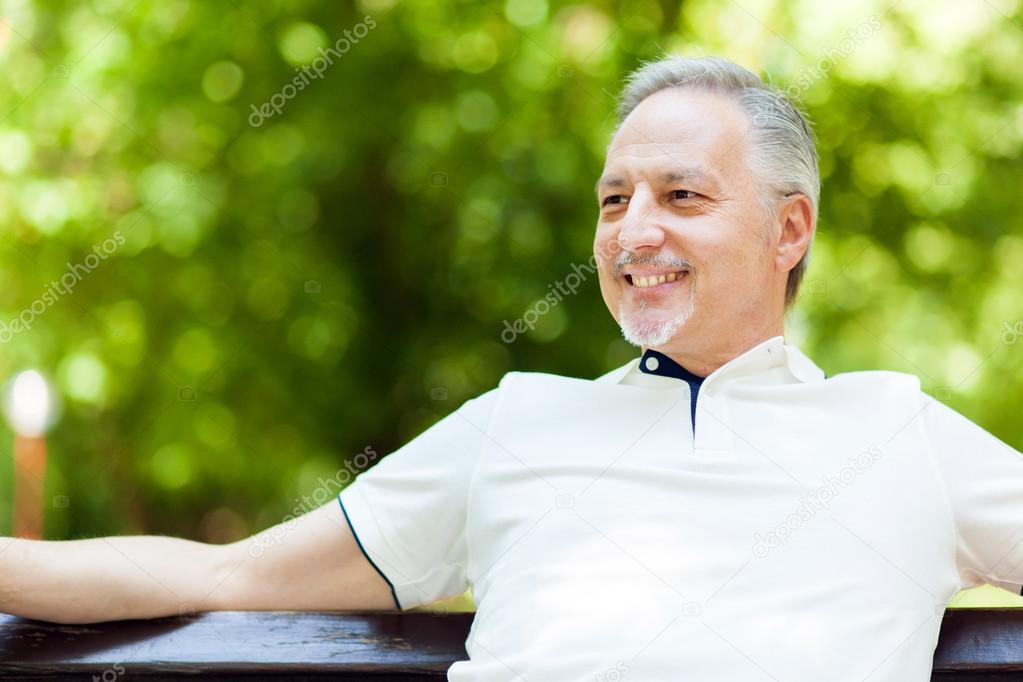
(660, 364)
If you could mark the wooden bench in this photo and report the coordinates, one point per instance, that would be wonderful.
(975, 644)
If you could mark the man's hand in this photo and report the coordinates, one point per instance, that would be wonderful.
(309, 563)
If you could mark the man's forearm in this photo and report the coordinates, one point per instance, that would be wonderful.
(111, 578)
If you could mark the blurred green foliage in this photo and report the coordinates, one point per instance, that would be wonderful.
(293, 288)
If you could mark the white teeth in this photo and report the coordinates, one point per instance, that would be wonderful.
(654, 280)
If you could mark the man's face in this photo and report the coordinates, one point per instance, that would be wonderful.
(677, 203)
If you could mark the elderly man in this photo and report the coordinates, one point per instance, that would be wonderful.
(715, 509)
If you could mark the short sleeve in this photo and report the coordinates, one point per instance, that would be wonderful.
(984, 480)
(408, 511)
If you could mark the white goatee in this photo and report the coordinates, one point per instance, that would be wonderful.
(658, 333)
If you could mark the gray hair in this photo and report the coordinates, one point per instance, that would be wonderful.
(783, 151)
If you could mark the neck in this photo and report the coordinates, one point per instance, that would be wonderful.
(702, 358)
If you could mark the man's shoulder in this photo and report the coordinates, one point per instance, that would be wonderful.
(876, 377)
(614, 376)
(535, 386)
(884, 390)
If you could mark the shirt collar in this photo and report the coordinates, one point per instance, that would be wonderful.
(773, 352)
(654, 362)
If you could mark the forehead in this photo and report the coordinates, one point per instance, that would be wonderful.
(681, 128)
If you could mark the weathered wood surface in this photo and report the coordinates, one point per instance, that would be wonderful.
(979, 645)
(238, 645)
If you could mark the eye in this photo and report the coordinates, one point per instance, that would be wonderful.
(613, 199)
(683, 194)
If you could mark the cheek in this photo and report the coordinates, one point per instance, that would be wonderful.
(720, 267)
(609, 292)
(602, 235)
(605, 278)
(605, 249)
(735, 270)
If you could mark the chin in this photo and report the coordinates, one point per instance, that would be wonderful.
(643, 327)
(649, 332)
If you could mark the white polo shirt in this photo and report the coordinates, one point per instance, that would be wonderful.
(809, 528)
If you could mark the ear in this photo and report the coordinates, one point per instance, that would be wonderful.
(797, 222)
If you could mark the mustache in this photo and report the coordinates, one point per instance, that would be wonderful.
(625, 258)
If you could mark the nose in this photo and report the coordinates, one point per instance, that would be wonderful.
(639, 227)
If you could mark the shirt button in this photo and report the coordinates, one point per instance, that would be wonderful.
(651, 364)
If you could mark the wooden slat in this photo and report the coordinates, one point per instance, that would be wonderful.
(239, 645)
(980, 645)
(976, 645)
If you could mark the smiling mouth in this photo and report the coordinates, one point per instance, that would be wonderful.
(656, 280)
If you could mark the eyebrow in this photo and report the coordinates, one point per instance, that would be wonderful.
(682, 174)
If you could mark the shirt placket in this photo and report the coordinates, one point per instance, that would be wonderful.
(713, 419)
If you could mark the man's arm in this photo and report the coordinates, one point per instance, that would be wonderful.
(309, 563)
(983, 478)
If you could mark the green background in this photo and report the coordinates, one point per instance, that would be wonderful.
(338, 276)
